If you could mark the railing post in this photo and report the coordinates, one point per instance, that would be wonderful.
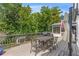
(70, 29)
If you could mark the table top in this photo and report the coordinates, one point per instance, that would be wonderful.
(56, 34)
(44, 38)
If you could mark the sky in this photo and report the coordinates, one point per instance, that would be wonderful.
(37, 6)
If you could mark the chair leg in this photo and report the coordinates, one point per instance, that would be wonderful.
(54, 47)
(35, 54)
(30, 50)
(36, 51)
(31, 46)
(50, 50)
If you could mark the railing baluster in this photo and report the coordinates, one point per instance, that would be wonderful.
(10, 40)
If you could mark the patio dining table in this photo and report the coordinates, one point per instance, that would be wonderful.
(44, 38)
(42, 41)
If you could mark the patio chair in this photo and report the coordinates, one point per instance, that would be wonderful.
(36, 46)
(55, 45)
(50, 43)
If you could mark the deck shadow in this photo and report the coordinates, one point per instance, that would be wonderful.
(62, 46)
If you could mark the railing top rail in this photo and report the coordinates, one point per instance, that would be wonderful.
(28, 34)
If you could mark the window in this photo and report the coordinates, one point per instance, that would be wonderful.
(56, 28)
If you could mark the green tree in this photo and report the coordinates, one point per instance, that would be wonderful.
(49, 16)
(14, 18)
(10, 17)
(24, 19)
(55, 16)
(35, 22)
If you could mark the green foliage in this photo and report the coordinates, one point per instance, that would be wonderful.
(24, 19)
(17, 19)
(10, 17)
(49, 16)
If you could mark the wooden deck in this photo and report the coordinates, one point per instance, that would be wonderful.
(24, 50)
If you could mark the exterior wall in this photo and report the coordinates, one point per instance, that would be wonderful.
(66, 25)
(76, 7)
(77, 21)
